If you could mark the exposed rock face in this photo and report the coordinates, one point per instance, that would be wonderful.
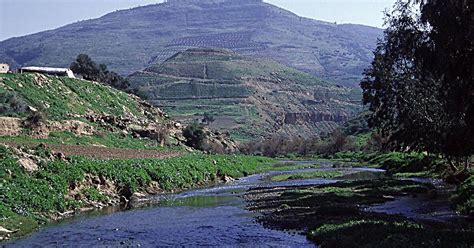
(10, 126)
(77, 127)
(28, 164)
(221, 142)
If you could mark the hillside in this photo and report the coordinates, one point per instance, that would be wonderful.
(133, 39)
(71, 115)
(69, 146)
(249, 97)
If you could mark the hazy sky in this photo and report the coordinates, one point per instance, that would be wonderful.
(21, 17)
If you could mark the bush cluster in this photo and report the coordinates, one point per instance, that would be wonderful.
(12, 104)
(282, 146)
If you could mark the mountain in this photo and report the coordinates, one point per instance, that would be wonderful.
(133, 39)
(248, 97)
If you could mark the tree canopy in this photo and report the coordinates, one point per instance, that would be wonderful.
(89, 70)
(420, 86)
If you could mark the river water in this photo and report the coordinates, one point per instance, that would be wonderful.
(214, 216)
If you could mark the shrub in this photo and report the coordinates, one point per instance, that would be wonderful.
(12, 104)
(35, 119)
(195, 136)
(464, 198)
(208, 118)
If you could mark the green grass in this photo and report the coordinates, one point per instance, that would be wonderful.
(111, 140)
(307, 175)
(385, 232)
(94, 195)
(39, 194)
(60, 96)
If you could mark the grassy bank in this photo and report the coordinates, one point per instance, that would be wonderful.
(335, 215)
(29, 199)
(410, 165)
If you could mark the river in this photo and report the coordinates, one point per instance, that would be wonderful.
(214, 216)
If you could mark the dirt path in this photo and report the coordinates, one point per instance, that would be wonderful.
(100, 152)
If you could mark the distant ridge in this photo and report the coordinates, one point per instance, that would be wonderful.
(133, 39)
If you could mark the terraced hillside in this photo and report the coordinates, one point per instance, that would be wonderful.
(248, 97)
(130, 40)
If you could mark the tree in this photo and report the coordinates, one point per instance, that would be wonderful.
(89, 70)
(208, 118)
(86, 67)
(420, 84)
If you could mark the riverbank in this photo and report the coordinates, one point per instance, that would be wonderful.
(206, 216)
(411, 165)
(59, 187)
(351, 211)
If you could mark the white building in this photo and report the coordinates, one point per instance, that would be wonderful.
(48, 70)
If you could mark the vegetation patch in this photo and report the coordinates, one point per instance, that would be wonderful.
(421, 174)
(387, 232)
(60, 97)
(335, 217)
(111, 140)
(40, 195)
(464, 197)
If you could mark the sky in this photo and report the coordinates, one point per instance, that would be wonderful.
(22, 17)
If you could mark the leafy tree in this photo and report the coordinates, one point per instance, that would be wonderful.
(86, 67)
(89, 70)
(420, 85)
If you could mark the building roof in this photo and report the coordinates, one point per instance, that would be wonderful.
(46, 69)
(66, 71)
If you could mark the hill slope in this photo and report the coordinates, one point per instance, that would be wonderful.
(249, 97)
(130, 40)
(61, 110)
